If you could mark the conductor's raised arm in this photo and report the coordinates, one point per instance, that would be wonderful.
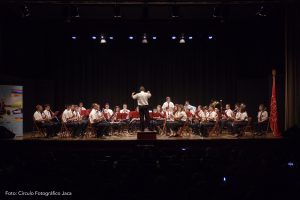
(133, 95)
(149, 94)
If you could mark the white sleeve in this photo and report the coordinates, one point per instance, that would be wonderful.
(135, 96)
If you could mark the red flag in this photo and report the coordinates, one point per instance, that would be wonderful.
(273, 112)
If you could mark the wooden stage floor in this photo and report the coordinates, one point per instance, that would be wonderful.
(133, 137)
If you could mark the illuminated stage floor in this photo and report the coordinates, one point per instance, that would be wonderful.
(224, 136)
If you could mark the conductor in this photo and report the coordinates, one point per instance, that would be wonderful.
(142, 100)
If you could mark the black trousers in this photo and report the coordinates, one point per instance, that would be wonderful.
(144, 117)
(260, 127)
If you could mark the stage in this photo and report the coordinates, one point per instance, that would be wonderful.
(133, 137)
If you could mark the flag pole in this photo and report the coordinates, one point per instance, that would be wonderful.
(273, 120)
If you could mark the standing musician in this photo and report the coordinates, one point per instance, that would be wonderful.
(98, 121)
(180, 118)
(241, 120)
(42, 122)
(142, 100)
(168, 104)
(70, 119)
(226, 118)
(51, 117)
(209, 121)
(260, 127)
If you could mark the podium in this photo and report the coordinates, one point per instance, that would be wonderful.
(146, 135)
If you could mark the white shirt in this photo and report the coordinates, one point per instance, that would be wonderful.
(201, 115)
(47, 114)
(229, 113)
(212, 116)
(124, 111)
(38, 116)
(169, 116)
(182, 115)
(168, 104)
(66, 115)
(262, 116)
(241, 116)
(95, 114)
(142, 98)
(108, 111)
(81, 108)
(191, 108)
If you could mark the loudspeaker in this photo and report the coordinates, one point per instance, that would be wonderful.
(5, 133)
(149, 135)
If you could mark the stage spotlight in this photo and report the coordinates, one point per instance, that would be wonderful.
(130, 37)
(102, 39)
(210, 37)
(175, 11)
(291, 164)
(261, 12)
(74, 37)
(145, 40)
(190, 37)
(154, 37)
(111, 37)
(173, 37)
(182, 40)
(224, 179)
(94, 37)
(183, 149)
(25, 11)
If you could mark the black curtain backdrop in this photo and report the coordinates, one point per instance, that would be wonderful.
(235, 66)
(292, 52)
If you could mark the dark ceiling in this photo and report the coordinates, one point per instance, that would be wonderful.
(135, 10)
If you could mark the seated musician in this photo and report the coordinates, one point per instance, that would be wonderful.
(125, 111)
(134, 119)
(168, 104)
(116, 120)
(169, 122)
(107, 111)
(80, 119)
(157, 118)
(197, 119)
(81, 107)
(188, 106)
(52, 118)
(98, 121)
(260, 127)
(209, 121)
(70, 120)
(180, 117)
(226, 117)
(42, 122)
(241, 120)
